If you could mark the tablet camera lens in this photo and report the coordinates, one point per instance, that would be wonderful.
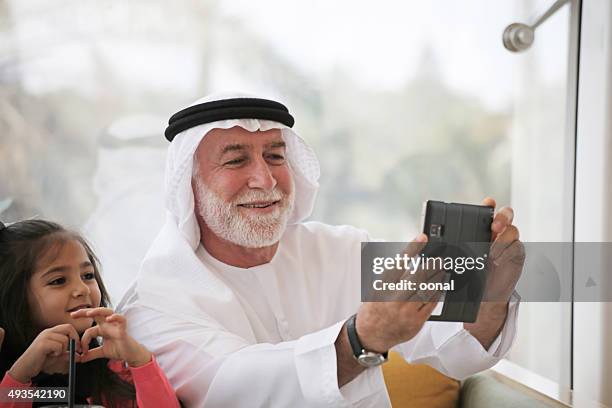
(435, 230)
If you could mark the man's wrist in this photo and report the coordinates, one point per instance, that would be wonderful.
(355, 339)
(370, 342)
(494, 310)
(347, 366)
(489, 323)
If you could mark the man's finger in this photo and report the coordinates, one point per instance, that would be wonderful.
(488, 202)
(427, 295)
(504, 240)
(510, 234)
(513, 253)
(502, 219)
(415, 246)
(426, 309)
(411, 251)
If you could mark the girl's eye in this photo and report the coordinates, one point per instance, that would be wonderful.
(89, 276)
(57, 282)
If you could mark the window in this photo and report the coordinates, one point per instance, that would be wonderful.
(402, 101)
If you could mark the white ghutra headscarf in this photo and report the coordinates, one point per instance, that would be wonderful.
(172, 279)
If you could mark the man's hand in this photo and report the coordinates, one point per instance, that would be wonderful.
(382, 325)
(507, 256)
(399, 316)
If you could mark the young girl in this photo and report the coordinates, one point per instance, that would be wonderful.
(51, 291)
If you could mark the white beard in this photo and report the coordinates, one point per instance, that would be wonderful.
(227, 222)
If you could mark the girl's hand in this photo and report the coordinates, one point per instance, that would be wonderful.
(47, 353)
(117, 344)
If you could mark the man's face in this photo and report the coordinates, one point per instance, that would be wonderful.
(243, 185)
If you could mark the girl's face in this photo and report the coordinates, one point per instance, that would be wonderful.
(63, 282)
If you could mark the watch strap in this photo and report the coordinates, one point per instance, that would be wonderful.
(356, 346)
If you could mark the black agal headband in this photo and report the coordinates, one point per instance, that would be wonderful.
(235, 108)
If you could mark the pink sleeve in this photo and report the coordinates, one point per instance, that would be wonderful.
(152, 387)
(7, 383)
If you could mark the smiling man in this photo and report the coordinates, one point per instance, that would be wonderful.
(244, 193)
(245, 304)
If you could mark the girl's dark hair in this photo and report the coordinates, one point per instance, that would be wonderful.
(22, 244)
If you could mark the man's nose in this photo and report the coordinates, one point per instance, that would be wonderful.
(260, 175)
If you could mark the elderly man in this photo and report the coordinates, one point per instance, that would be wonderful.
(244, 304)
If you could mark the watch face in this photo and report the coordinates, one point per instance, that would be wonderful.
(369, 359)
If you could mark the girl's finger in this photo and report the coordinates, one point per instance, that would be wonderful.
(116, 318)
(93, 354)
(88, 335)
(79, 313)
(92, 312)
(99, 312)
(68, 330)
(54, 347)
(65, 358)
(52, 338)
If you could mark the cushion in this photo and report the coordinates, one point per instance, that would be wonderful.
(480, 390)
(418, 385)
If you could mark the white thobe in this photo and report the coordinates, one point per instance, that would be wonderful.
(296, 305)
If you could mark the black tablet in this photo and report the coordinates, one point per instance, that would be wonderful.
(460, 236)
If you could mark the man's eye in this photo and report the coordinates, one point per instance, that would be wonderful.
(89, 276)
(57, 282)
(234, 162)
(276, 158)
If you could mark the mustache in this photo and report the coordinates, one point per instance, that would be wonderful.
(250, 195)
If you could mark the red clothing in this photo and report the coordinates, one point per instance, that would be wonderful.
(152, 387)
